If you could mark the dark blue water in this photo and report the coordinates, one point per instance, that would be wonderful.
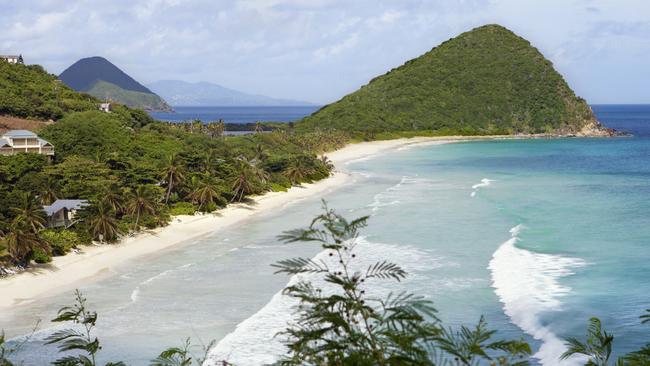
(236, 114)
(632, 118)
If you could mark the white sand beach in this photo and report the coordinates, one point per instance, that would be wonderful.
(93, 262)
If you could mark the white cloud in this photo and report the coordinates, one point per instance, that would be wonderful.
(320, 49)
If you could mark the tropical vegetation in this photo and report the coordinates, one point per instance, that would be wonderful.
(134, 171)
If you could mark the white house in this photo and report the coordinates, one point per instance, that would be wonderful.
(62, 213)
(12, 59)
(105, 107)
(23, 141)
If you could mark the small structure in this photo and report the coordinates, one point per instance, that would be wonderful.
(105, 107)
(62, 213)
(23, 141)
(12, 59)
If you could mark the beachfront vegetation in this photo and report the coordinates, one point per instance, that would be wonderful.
(136, 176)
(134, 171)
(487, 81)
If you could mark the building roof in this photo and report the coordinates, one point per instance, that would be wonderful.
(42, 142)
(9, 56)
(19, 133)
(59, 205)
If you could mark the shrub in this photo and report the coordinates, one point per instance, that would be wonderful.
(182, 208)
(62, 241)
(40, 256)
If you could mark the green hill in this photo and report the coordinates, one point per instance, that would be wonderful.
(134, 99)
(30, 92)
(99, 77)
(485, 81)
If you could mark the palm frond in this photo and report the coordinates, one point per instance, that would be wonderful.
(300, 265)
(385, 270)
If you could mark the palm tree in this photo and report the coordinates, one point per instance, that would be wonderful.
(327, 162)
(112, 197)
(173, 175)
(206, 191)
(241, 186)
(49, 192)
(21, 242)
(243, 183)
(103, 225)
(258, 127)
(253, 168)
(30, 212)
(142, 201)
(297, 171)
(260, 153)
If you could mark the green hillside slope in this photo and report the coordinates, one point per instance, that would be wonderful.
(147, 101)
(485, 81)
(30, 92)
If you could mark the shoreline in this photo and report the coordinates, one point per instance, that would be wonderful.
(94, 262)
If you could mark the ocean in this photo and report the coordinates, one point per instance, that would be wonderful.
(536, 235)
(236, 114)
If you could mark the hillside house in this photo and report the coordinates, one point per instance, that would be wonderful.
(12, 59)
(62, 213)
(105, 107)
(23, 141)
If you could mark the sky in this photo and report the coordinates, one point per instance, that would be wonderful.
(320, 50)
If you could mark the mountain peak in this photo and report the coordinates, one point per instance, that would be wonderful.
(83, 74)
(485, 81)
(99, 77)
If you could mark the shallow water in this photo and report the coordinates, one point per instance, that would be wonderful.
(536, 235)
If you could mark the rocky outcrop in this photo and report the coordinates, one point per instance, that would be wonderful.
(596, 129)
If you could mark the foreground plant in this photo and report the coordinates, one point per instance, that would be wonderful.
(340, 324)
(74, 339)
(183, 356)
(598, 347)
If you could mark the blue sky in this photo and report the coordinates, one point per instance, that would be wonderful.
(319, 50)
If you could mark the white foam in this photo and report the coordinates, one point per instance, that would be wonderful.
(389, 197)
(136, 292)
(528, 285)
(484, 183)
(255, 342)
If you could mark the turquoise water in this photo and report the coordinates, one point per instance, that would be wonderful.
(538, 236)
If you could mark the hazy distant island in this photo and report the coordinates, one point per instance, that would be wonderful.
(204, 94)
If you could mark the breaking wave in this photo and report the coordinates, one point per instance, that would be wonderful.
(255, 341)
(527, 284)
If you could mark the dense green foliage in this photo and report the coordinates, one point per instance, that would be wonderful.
(134, 99)
(136, 173)
(30, 92)
(485, 81)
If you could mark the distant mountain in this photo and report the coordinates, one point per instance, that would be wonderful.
(100, 78)
(486, 81)
(181, 93)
